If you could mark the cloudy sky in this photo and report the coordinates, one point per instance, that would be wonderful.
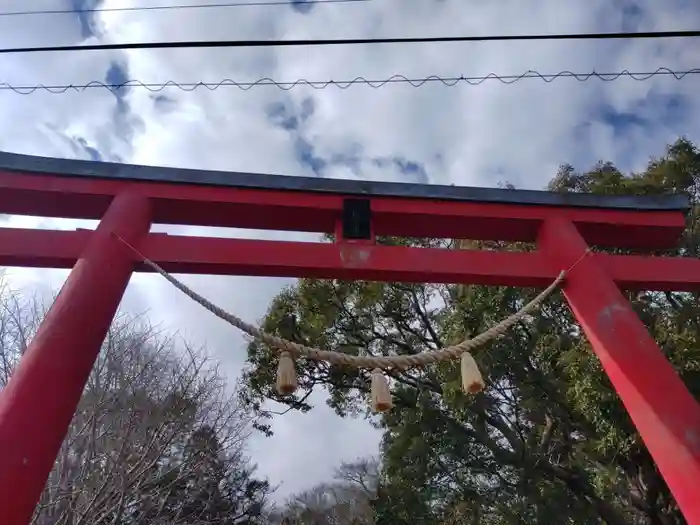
(463, 135)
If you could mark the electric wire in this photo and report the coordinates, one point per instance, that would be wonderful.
(345, 84)
(263, 3)
(208, 44)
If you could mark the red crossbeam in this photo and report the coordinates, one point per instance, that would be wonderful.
(82, 198)
(221, 256)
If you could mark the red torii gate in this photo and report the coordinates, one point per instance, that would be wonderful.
(40, 399)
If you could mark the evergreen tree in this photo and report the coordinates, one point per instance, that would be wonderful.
(548, 441)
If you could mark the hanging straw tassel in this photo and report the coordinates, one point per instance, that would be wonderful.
(472, 382)
(381, 396)
(286, 375)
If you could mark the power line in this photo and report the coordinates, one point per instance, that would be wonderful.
(345, 84)
(350, 41)
(177, 6)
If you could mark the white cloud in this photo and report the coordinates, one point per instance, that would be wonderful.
(463, 135)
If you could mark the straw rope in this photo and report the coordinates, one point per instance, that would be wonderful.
(340, 358)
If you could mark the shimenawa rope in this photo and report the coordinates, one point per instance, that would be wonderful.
(290, 349)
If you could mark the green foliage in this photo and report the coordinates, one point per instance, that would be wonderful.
(548, 441)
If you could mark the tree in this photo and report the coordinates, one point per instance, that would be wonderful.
(548, 441)
(346, 500)
(156, 432)
(207, 486)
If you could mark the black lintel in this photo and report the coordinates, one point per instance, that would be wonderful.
(357, 219)
(29, 164)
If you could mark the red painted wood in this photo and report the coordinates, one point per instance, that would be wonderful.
(27, 248)
(318, 212)
(38, 402)
(665, 413)
(667, 274)
(219, 256)
(507, 222)
(350, 261)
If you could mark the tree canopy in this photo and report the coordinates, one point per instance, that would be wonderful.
(548, 441)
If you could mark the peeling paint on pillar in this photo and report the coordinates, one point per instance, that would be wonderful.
(606, 317)
(355, 255)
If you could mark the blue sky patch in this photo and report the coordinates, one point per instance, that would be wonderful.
(632, 16)
(306, 154)
(163, 103)
(621, 121)
(413, 170)
(287, 116)
(124, 121)
(118, 74)
(80, 145)
(301, 6)
(88, 25)
(652, 110)
(282, 116)
(292, 117)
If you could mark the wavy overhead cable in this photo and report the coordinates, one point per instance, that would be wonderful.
(345, 84)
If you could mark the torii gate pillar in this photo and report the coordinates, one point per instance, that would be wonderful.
(665, 413)
(38, 403)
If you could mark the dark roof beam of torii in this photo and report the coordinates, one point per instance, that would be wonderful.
(83, 189)
(84, 169)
